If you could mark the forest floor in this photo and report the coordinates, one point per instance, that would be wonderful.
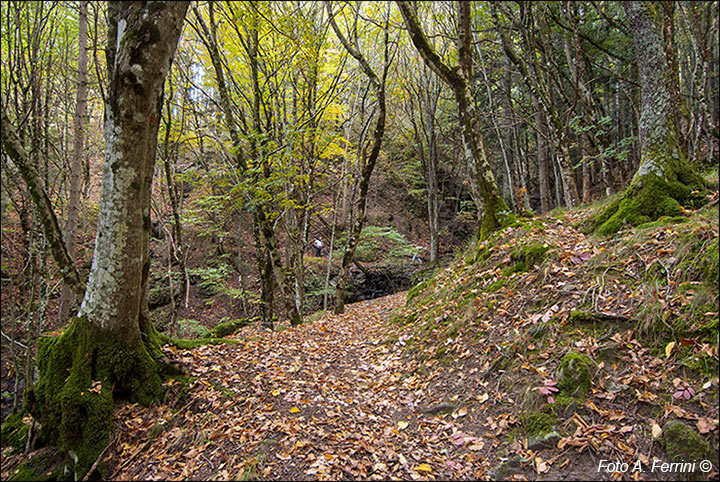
(444, 382)
(327, 399)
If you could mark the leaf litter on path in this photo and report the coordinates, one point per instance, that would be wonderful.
(327, 400)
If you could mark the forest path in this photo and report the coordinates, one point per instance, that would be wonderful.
(328, 400)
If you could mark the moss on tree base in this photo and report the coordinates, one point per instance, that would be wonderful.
(73, 399)
(647, 199)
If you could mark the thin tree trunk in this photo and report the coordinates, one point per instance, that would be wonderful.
(76, 165)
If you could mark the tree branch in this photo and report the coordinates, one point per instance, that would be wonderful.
(16, 152)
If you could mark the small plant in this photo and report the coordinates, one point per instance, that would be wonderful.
(682, 390)
(548, 388)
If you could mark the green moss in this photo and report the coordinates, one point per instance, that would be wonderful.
(415, 291)
(14, 431)
(44, 464)
(709, 263)
(538, 423)
(579, 318)
(525, 257)
(646, 200)
(683, 444)
(226, 328)
(573, 375)
(664, 221)
(482, 253)
(496, 285)
(73, 399)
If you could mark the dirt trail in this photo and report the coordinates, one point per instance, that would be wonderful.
(326, 400)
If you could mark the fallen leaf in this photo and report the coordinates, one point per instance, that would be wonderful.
(423, 468)
(402, 424)
(460, 413)
(668, 349)
(705, 425)
(294, 410)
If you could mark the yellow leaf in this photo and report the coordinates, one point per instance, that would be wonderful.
(656, 431)
(423, 468)
(668, 349)
(276, 392)
(294, 410)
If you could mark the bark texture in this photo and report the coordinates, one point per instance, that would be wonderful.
(664, 181)
(75, 195)
(111, 345)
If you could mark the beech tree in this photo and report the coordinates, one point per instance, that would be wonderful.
(496, 211)
(664, 181)
(378, 85)
(111, 345)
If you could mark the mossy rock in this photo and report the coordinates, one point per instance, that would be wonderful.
(538, 423)
(227, 328)
(14, 431)
(506, 469)
(43, 464)
(573, 374)
(526, 257)
(683, 443)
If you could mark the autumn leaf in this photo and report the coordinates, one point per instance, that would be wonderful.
(294, 410)
(668, 349)
(460, 413)
(423, 468)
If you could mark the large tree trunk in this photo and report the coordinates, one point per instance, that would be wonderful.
(112, 346)
(664, 181)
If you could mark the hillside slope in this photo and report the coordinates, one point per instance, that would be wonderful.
(566, 349)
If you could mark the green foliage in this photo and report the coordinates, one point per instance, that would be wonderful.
(376, 241)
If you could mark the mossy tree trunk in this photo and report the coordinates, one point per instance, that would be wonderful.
(664, 181)
(111, 345)
(496, 212)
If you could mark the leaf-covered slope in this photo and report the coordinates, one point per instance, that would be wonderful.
(497, 330)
